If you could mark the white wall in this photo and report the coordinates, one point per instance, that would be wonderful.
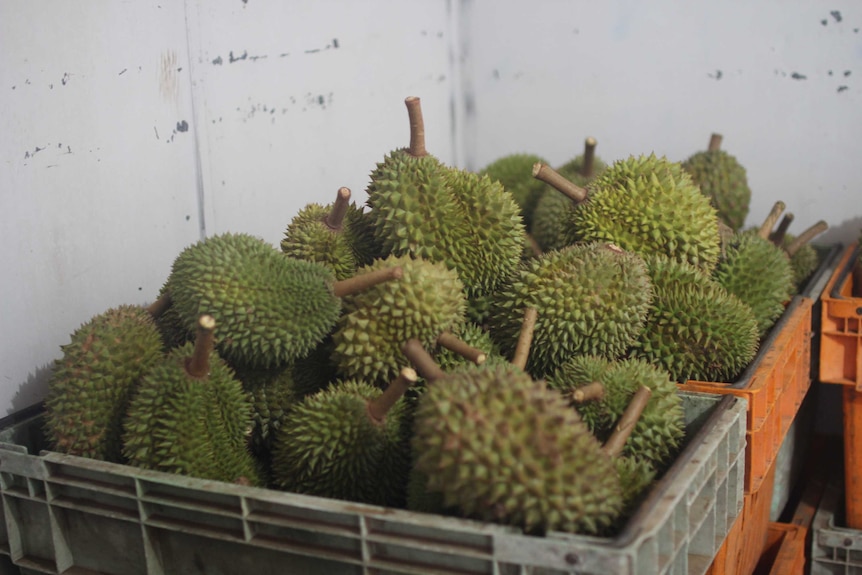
(130, 129)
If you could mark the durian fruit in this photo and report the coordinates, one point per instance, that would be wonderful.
(425, 302)
(549, 219)
(191, 416)
(723, 180)
(272, 393)
(695, 329)
(173, 330)
(636, 477)
(590, 298)
(506, 449)
(758, 272)
(804, 259)
(474, 337)
(656, 437)
(514, 172)
(649, 205)
(347, 442)
(422, 208)
(331, 235)
(271, 309)
(91, 384)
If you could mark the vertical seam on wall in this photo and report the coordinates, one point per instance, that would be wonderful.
(465, 97)
(198, 167)
(453, 9)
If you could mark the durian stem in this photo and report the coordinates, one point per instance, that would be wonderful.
(553, 178)
(806, 237)
(451, 342)
(160, 306)
(617, 441)
(198, 365)
(593, 391)
(417, 127)
(771, 219)
(777, 237)
(335, 219)
(588, 167)
(534, 246)
(422, 360)
(714, 143)
(525, 338)
(361, 282)
(378, 408)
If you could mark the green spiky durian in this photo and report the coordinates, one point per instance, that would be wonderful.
(169, 323)
(328, 235)
(695, 329)
(272, 393)
(504, 448)
(803, 262)
(636, 477)
(659, 431)
(270, 308)
(476, 337)
(91, 384)
(649, 205)
(316, 370)
(590, 298)
(723, 180)
(330, 445)
(191, 416)
(759, 273)
(514, 172)
(426, 301)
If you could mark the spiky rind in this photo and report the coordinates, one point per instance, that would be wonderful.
(550, 227)
(724, 181)
(803, 263)
(269, 308)
(695, 328)
(504, 448)
(474, 336)
(191, 426)
(657, 435)
(170, 325)
(590, 298)
(649, 205)
(515, 173)
(760, 274)
(272, 394)
(636, 476)
(91, 384)
(330, 446)
(426, 301)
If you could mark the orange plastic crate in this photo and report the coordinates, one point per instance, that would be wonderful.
(774, 384)
(841, 323)
(747, 539)
(784, 553)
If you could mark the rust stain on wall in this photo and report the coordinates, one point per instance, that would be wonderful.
(169, 86)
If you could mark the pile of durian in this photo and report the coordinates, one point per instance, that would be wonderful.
(502, 345)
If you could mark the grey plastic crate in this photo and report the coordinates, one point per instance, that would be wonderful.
(834, 548)
(66, 514)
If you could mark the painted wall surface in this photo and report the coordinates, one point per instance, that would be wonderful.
(131, 130)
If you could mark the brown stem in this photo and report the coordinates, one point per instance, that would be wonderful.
(769, 222)
(422, 360)
(198, 365)
(451, 342)
(534, 246)
(378, 408)
(714, 143)
(525, 338)
(417, 128)
(589, 392)
(160, 306)
(806, 237)
(551, 177)
(777, 237)
(615, 443)
(335, 219)
(588, 166)
(363, 281)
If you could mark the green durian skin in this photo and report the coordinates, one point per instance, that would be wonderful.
(695, 328)
(272, 393)
(344, 250)
(92, 383)
(191, 426)
(658, 433)
(330, 447)
(760, 274)
(649, 205)
(174, 331)
(503, 448)
(269, 309)
(427, 300)
(474, 336)
(803, 263)
(550, 229)
(724, 181)
(590, 298)
(636, 477)
(515, 173)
